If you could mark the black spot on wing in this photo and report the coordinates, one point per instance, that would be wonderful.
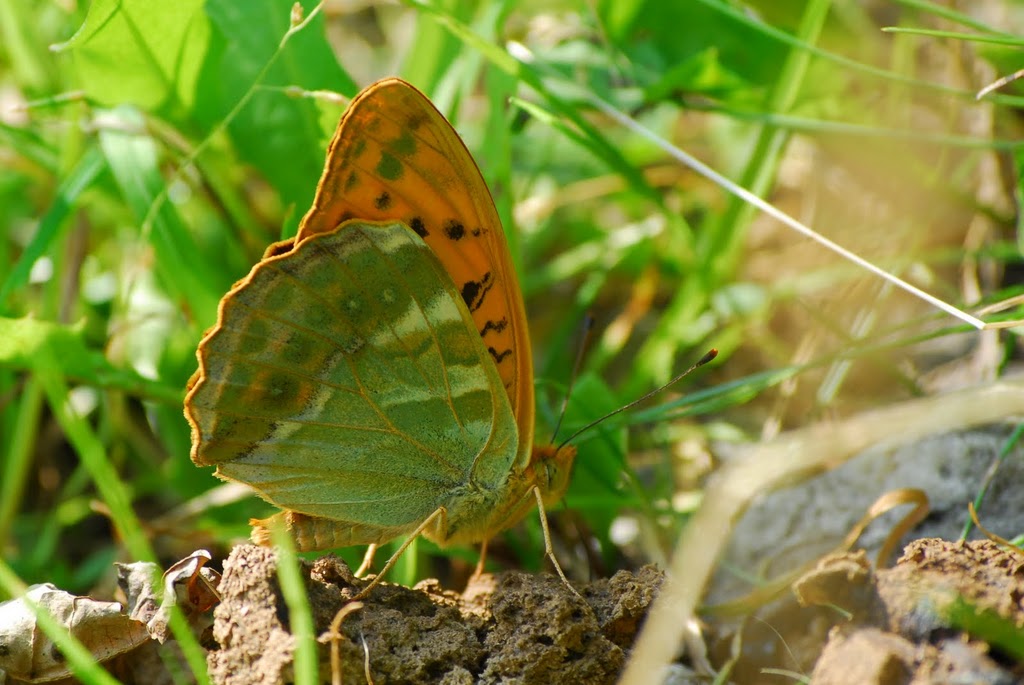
(496, 326)
(498, 356)
(454, 230)
(382, 201)
(417, 225)
(474, 292)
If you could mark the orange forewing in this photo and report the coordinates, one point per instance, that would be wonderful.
(394, 156)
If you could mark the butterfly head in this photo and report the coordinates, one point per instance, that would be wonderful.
(552, 467)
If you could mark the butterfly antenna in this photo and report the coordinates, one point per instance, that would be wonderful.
(588, 326)
(711, 354)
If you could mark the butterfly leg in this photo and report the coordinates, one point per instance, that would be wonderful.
(367, 560)
(440, 512)
(548, 547)
(478, 571)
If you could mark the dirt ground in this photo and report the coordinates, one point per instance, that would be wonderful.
(947, 612)
(932, 618)
(509, 628)
(844, 623)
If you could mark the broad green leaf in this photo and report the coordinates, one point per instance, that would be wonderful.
(140, 52)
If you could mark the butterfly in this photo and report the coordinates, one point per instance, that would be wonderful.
(372, 377)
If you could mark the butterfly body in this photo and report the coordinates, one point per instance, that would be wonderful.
(372, 377)
(474, 512)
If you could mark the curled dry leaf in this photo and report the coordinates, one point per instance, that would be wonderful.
(26, 653)
(187, 584)
(138, 582)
